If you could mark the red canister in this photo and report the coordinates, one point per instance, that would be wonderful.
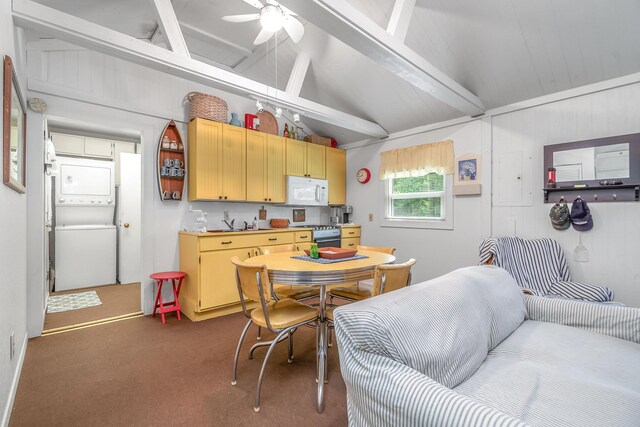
(250, 121)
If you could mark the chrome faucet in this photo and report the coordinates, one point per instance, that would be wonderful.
(230, 225)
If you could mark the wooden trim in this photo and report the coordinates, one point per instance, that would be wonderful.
(9, 79)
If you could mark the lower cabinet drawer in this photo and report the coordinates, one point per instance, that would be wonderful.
(216, 243)
(350, 243)
(349, 232)
(303, 236)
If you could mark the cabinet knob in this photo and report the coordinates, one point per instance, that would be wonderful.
(269, 199)
(225, 197)
(125, 225)
(265, 199)
(220, 197)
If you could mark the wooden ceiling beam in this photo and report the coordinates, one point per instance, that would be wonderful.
(49, 21)
(344, 22)
(298, 73)
(168, 22)
(401, 18)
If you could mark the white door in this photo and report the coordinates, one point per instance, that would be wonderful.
(130, 219)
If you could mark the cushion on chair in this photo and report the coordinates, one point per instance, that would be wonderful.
(354, 292)
(284, 313)
(550, 374)
(443, 328)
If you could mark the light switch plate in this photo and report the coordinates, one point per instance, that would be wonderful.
(370, 217)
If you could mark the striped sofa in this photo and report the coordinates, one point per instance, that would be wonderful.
(469, 349)
(540, 267)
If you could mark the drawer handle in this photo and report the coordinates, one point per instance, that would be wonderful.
(273, 239)
(352, 232)
(226, 243)
(303, 237)
(350, 244)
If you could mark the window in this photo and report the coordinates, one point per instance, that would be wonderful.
(416, 197)
(418, 202)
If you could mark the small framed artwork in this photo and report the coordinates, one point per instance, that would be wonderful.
(299, 215)
(14, 132)
(467, 177)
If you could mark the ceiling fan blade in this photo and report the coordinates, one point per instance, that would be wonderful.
(263, 36)
(241, 18)
(254, 3)
(284, 9)
(294, 28)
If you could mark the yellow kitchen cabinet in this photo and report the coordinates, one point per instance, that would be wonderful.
(217, 161)
(265, 167)
(218, 281)
(336, 167)
(349, 243)
(303, 240)
(305, 159)
(209, 289)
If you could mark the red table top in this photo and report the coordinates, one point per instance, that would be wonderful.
(168, 275)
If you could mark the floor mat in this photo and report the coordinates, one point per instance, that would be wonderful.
(68, 302)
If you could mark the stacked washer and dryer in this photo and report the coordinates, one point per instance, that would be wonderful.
(85, 234)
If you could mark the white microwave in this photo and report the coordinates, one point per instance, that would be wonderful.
(307, 191)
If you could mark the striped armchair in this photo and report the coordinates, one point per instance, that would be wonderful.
(540, 268)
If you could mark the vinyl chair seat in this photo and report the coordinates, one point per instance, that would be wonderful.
(353, 292)
(284, 313)
(296, 292)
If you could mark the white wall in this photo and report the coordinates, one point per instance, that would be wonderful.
(108, 93)
(615, 235)
(437, 251)
(512, 199)
(13, 251)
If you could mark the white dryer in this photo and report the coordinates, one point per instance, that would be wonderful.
(85, 236)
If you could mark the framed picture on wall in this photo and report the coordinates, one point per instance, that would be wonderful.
(468, 175)
(15, 130)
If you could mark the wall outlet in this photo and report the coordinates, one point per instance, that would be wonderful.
(370, 217)
(12, 345)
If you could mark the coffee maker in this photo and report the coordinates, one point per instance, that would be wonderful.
(341, 214)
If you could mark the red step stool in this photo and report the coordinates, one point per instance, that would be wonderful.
(167, 307)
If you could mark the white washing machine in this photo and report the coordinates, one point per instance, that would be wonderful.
(85, 236)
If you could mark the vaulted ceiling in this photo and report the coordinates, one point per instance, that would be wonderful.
(503, 51)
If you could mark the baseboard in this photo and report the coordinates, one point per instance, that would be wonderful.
(14, 386)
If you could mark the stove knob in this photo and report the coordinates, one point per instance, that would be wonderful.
(109, 201)
(61, 199)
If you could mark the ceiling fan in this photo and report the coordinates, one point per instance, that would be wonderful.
(273, 16)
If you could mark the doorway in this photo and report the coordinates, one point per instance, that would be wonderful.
(93, 218)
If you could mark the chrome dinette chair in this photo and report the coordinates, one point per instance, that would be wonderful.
(298, 293)
(281, 316)
(362, 289)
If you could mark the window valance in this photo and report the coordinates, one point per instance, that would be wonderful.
(418, 160)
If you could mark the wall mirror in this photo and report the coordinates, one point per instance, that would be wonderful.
(14, 132)
(590, 162)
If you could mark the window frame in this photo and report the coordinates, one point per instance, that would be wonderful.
(443, 223)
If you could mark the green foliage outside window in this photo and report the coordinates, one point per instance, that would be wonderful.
(420, 184)
(420, 206)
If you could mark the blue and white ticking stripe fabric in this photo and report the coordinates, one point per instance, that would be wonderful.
(619, 322)
(539, 266)
(410, 357)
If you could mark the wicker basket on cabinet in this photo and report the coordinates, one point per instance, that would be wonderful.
(207, 107)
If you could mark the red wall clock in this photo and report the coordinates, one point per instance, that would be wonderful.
(363, 176)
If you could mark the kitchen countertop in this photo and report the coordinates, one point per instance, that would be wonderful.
(241, 232)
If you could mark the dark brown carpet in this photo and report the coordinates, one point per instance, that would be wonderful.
(138, 372)
(116, 301)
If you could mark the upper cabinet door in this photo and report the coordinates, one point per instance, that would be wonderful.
(276, 169)
(205, 160)
(234, 166)
(296, 157)
(336, 175)
(68, 144)
(316, 161)
(98, 147)
(256, 166)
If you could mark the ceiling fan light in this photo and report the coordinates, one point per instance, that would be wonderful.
(271, 18)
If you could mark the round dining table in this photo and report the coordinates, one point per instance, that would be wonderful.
(285, 270)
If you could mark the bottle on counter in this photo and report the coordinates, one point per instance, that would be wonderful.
(254, 224)
(286, 131)
(313, 251)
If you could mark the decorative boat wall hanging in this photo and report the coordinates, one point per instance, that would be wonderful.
(172, 168)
